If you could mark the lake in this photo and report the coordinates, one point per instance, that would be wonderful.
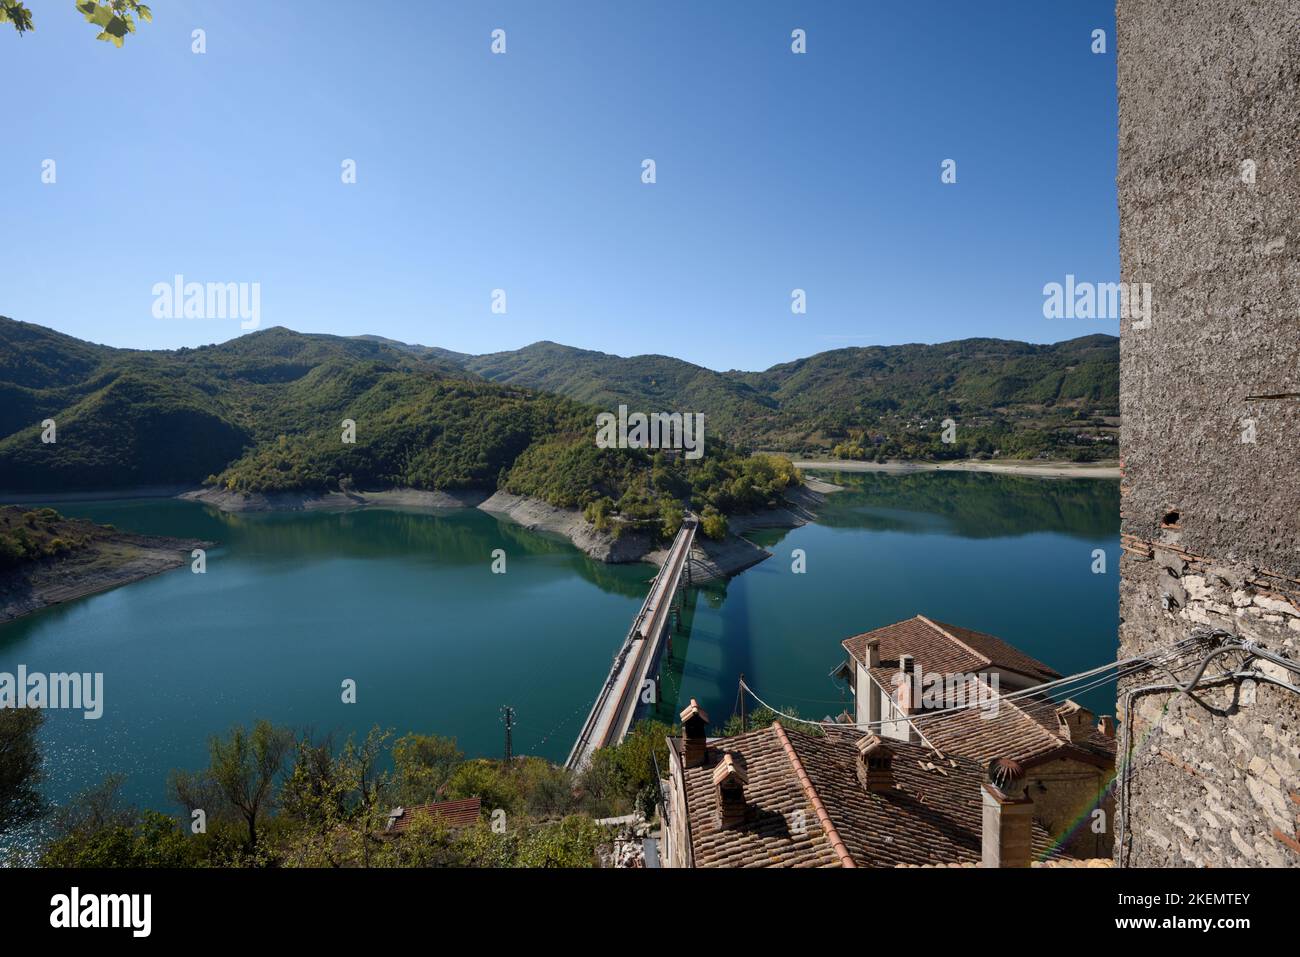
(406, 605)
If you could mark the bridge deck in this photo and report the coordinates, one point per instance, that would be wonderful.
(611, 715)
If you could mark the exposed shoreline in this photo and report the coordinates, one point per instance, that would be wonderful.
(334, 501)
(118, 559)
(1102, 470)
(714, 560)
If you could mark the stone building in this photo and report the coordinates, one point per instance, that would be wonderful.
(1068, 756)
(781, 797)
(1209, 197)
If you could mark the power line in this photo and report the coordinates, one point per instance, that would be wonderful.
(1127, 666)
(1229, 642)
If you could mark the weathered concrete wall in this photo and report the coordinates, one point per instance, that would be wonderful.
(1209, 195)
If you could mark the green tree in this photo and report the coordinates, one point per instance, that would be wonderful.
(241, 774)
(423, 764)
(762, 717)
(490, 781)
(621, 778)
(571, 842)
(115, 18)
(97, 829)
(426, 842)
(713, 523)
(316, 789)
(21, 767)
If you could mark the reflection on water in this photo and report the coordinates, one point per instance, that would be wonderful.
(973, 504)
(404, 603)
(1009, 555)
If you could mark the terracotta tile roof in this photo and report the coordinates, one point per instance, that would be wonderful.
(932, 816)
(771, 836)
(941, 647)
(1088, 862)
(456, 814)
(1025, 729)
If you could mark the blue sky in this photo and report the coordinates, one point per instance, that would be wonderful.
(522, 172)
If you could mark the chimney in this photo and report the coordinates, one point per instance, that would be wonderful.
(867, 691)
(875, 764)
(1074, 722)
(904, 702)
(695, 725)
(872, 649)
(1008, 816)
(1106, 726)
(729, 780)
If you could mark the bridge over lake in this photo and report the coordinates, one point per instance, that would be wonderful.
(615, 707)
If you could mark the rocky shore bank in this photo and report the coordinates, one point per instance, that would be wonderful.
(113, 559)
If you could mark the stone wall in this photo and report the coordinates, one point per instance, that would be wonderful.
(1209, 196)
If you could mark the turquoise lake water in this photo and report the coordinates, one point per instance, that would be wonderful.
(406, 605)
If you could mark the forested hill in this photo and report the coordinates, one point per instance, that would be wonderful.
(125, 417)
(1018, 399)
(265, 413)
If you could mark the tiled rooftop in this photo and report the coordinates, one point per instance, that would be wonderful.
(808, 808)
(1023, 729)
(455, 814)
(941, 647)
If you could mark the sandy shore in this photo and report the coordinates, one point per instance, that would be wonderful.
(716, 560)
(1102, 470)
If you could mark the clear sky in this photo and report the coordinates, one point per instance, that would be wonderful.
(522, 171)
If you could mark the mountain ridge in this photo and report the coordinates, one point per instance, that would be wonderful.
(262, 412)
(844, 396)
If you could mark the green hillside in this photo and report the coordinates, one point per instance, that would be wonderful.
(1014, 398)
(127, 417)
(645, 383)
(265, 413)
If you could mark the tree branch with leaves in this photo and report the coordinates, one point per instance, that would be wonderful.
(115, 18)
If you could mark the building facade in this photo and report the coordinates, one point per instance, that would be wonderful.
(1209, 192)
(1068, 755)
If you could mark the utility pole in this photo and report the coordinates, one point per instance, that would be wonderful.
(508, 715)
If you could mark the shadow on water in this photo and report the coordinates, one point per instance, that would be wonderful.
(725, 654)
(404, 601)
(673, 660)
